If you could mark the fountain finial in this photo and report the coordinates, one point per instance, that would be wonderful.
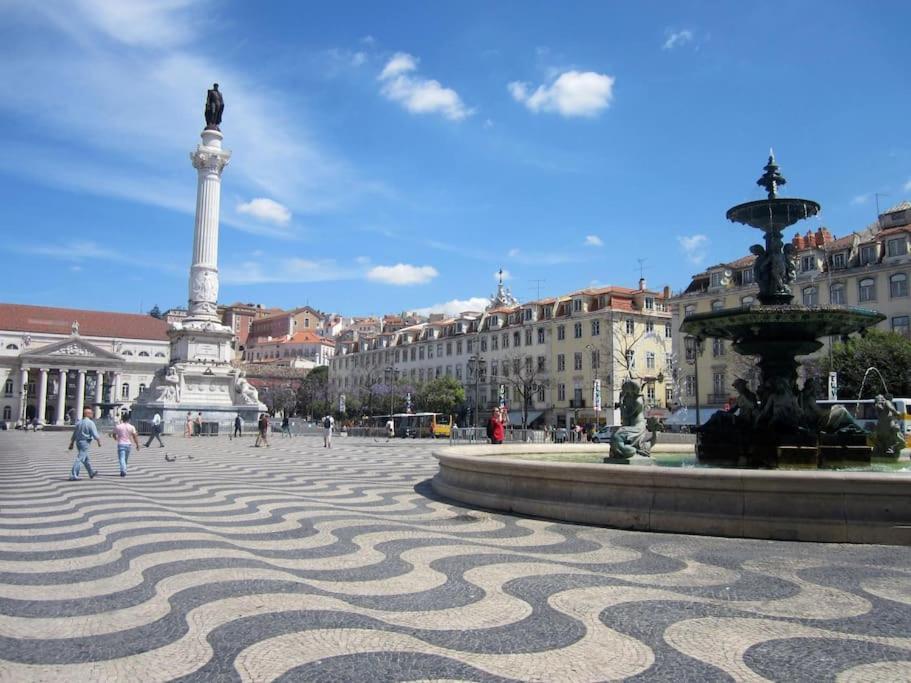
(771, 179)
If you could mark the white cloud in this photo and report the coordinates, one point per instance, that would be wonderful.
(694, 247)
(505, 274)
(402, 274)
(512, 253)
(456, 306)
(677, 39)
(254, 272)
(907, 185)
(860, 199)
(266, 210)
(593, 241)
(419, 95)
(573, 93)
(77, 250)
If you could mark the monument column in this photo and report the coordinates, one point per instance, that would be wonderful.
(61, 398)
(42, 394)
(80, 393)
(209, 159)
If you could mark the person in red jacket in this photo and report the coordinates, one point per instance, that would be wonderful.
(495, 429)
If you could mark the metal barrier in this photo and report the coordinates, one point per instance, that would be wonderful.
(479, 435)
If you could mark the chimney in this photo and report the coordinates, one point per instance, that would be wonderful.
(798, 242)
(641, 284)
(823, 237)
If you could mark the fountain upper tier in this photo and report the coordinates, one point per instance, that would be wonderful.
(774, 213)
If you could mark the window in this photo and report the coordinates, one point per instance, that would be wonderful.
(449, 371)
(458, 348)
(689, 385)
(469, 346)
(596, 360)
(125, 391)
(541, 395)
(901, 324)
(396, 358)
(717, 347)
(528, 337)
(649, 326)
(668, 395)
(494, 368)
(142, 387)
(649, 303)
(689, 310)
(577, 361)
(577, 330)
(12, 347)
(719, 386)
(596, 328)
(542, 364)
(837, 294)
(747, 301)
(527, 313)
(561, 392)
(127, 353)
(505, 368)
(650, 393)
(630, 359)
(896, 247)
(430, 351)
(8, 388)
(421, 353)
(7, 413)
(483, 344)
(717, 305)
(810, 296)
(650, 360)
(630, 326)
(540, 335)
(528, 362)
(159, 354)
(561, 362)
(517, 339)
(143, 354)
(716, 280)
(898, 285)
(506, 340)
(808, 263)
(458, 372)
(867, 254)
(746, 276)
(413, 353)
(448, 348)
(839, 260)
(577, 305)
(439, 371)
(494, 342)
(440, 350)
(867, 289)
(561, 332)
(668, 331)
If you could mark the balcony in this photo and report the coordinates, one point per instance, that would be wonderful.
(719, 399)
(573, 403)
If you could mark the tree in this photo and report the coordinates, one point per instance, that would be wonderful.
(284, 400)
(526, 377)
(313, 394)
(155, 312)
(441, 395)
(888, 352)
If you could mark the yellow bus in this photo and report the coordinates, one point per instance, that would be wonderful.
(415, 425)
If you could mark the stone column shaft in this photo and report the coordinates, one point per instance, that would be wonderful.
(23, 396)
(99, 391)
(42, 395)
(61, 398)
(80, 393)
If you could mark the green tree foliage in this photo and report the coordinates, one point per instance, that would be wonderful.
(441, 395)
(313, 394)
(888, 352)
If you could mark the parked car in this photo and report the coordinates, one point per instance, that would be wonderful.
(604, 434)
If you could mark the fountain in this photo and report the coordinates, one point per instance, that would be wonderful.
(780, 425)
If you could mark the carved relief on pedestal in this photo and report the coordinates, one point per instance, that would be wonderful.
(204, 287)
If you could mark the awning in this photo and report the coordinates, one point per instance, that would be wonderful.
(515, 416)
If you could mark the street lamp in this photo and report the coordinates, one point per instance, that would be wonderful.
(694, 346)
(390, 372)
(479, 366)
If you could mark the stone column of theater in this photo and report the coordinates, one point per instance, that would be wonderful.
(42, 395)
(209, 159)
(61, 398)
(99, 391)
(80, 394)
(23, 396)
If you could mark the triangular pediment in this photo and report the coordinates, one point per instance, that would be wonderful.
(74, 348)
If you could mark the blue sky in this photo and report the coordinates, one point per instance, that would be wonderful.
(393, 156)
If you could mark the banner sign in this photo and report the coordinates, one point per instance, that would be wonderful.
(833, 386)
(341, 403)
(596, 395)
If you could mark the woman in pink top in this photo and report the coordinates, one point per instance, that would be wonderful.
(125, 433)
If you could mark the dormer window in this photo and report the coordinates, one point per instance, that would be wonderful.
(716, 279)
(577, 305)
(649, 303)
(896, 247)
(867, 254)
(746, 276)
(839, 260)
(527, 314)
(808, 263)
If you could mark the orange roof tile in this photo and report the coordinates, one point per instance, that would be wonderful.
(22, 318)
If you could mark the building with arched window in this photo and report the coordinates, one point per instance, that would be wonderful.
(56, 361)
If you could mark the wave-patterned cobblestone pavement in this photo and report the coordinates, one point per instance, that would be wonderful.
(301, 563)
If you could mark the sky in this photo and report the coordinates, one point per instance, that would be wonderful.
(395, 156)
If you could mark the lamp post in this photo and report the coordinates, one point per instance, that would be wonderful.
(694, 346)
(390, 371)
(478, 369)
(591, 354)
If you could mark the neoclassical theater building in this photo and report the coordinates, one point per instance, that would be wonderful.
(56, 361)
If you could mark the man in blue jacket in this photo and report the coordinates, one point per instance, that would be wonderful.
(83, 433)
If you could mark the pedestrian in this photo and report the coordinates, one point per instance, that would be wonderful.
(156, 431)
(83, 433)
(262, 436)
(188, 427)
(35, 424)
(495, 427)
(198, 426)
(238, 425)
(328, 422)
(125, 434)
(390, 429)
(286, 426)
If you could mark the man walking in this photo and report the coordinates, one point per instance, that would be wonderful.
(263, 427)
(124, 434)
(286, 426)
(238, 426)
(328, 421)
(83, 433)
(156, 431)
